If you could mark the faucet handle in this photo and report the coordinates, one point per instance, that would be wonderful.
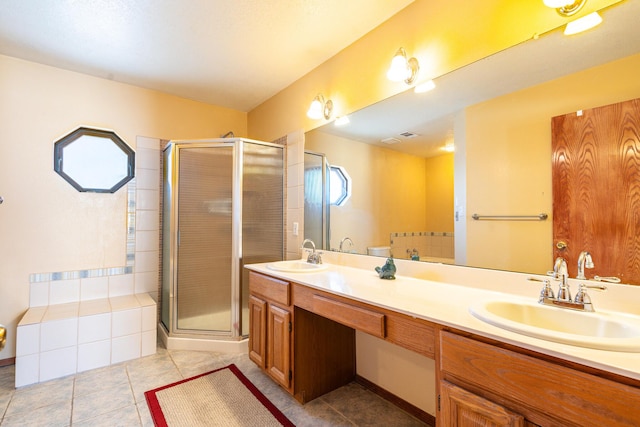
(582, 297)
(546, 291)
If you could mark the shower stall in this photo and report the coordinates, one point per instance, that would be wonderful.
(222, 207)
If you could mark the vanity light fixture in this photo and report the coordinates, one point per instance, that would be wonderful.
(565, 7)
(320, 108)
(402, 68)
(425, 87)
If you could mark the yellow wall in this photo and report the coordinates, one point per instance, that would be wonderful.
(509, 162)
(388, 190)
(442, 35)
(45, 224)
(439, 193)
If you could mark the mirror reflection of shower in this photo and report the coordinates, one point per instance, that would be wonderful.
(316, 199)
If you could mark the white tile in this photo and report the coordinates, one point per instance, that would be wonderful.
(94, 355)
(293, 153)
(93, 307)
(125, 302)
(94, 328)
(94, 288)
(147, 241)
(149, 343)
(38, 294)
(147, 159)
(292, 176)
(148, 142)
(27, 369)
(33, 315)
(147, 282)
(58, 363)
(126, 322)
(58, 334)
(147, 179)
(148, 200)
(148, 220)
(145, 299)
(61, 311)
(149, 314)
(147, 261)
(27, 339)
(125, 348)
(121, 284)
(64, 291)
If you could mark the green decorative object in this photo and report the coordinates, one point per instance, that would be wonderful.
(388, 270)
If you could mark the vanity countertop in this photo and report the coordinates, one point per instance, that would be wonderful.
(448, 304)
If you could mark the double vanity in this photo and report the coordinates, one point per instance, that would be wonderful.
(499, 356)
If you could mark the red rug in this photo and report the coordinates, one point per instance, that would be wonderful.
(224, 397)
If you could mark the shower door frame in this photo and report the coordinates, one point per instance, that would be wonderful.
(172, 191)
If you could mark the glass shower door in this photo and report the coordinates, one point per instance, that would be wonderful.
(204, 255)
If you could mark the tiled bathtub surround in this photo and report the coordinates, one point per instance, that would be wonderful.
(429, 244)
(83, 319)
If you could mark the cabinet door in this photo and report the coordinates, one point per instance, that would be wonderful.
(257, 331)
(461, 408)
(279, 345)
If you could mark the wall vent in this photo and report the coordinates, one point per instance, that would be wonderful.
(390, 141)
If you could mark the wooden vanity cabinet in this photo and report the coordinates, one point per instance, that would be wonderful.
(270, 327)
(482, 384)
(324, 350)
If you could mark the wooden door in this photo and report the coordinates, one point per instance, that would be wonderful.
(461, 408)
(596, 189)
(279, 345)
(257, 330)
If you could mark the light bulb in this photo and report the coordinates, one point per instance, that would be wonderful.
(398, 71)
(315, 109)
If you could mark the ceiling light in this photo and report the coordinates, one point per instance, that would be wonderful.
(583, 24)
(341, 121)
(425, 87)
(402, 68)
(319, 108)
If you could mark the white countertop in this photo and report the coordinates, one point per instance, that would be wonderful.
(447, 303)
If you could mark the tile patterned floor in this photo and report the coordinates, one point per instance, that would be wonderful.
(114, 396)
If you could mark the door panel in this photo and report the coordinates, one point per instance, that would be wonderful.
(596, 189)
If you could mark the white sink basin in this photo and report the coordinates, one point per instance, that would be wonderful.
(599, 330)
(296, 266)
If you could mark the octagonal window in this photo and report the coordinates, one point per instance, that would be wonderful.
(94, 160)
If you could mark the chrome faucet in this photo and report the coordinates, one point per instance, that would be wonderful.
(560, 272)
(346, 239)
(582, 300)
(314, 257)
(584, 260)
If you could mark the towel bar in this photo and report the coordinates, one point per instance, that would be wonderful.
(539, 217)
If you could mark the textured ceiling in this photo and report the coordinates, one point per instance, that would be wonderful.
(231, 53)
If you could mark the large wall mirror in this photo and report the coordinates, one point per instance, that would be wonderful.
(94, 160)
(408, 193)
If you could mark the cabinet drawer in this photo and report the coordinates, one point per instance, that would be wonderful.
(273, 289)
(534, 387)
(353, 316)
